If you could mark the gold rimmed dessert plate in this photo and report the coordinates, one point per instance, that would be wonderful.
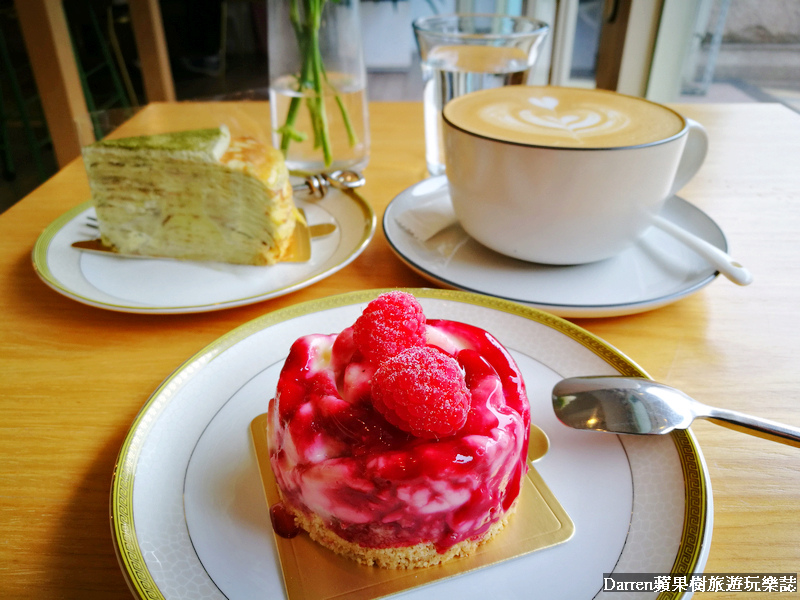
(165, 286)
(189, 517)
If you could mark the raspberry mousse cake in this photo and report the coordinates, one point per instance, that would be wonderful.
(401, 441)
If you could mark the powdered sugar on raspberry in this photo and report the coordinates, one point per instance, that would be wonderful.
(389, 324)
(422, 391)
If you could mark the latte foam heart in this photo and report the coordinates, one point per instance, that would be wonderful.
(570, 123)
(544, 102)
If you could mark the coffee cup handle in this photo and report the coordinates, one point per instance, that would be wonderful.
(694, 153)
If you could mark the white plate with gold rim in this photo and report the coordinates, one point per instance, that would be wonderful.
(162, 286)
(188, 512)
(658, 270)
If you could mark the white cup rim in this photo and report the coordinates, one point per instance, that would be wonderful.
(490, 138)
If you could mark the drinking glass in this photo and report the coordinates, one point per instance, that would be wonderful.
(462, 53)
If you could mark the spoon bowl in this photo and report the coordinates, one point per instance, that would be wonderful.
(635, 405)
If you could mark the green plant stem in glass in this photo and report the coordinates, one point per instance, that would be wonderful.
(312, 77)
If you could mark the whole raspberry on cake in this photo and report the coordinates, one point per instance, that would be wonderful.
(401, 441)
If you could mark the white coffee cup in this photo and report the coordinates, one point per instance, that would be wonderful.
(564, 175)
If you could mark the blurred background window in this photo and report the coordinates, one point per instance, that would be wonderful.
(666, 50)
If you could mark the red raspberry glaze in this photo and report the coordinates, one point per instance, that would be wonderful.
(335, 455)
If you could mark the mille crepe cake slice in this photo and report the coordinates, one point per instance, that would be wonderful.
(192, 195)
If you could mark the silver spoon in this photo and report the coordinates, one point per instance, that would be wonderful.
(638, 405)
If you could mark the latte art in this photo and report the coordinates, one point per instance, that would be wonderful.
(544, 118)
(563, 117)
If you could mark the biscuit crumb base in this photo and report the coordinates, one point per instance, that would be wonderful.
(410, 557)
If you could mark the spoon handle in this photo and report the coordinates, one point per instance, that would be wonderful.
(724, 262)
(763, 428)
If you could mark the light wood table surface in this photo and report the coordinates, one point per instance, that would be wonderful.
(73, 377)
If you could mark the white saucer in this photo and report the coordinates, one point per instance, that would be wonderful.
(657, 271)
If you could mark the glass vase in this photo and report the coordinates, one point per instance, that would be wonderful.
(318, 83)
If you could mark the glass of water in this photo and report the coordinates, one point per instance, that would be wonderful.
(462, 53)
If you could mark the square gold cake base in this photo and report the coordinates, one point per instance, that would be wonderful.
(311, 571)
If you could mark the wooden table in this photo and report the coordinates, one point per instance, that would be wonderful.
(73, 377)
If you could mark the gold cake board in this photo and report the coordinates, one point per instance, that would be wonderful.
(311, 571)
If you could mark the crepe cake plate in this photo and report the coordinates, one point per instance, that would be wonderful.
(165, 286)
